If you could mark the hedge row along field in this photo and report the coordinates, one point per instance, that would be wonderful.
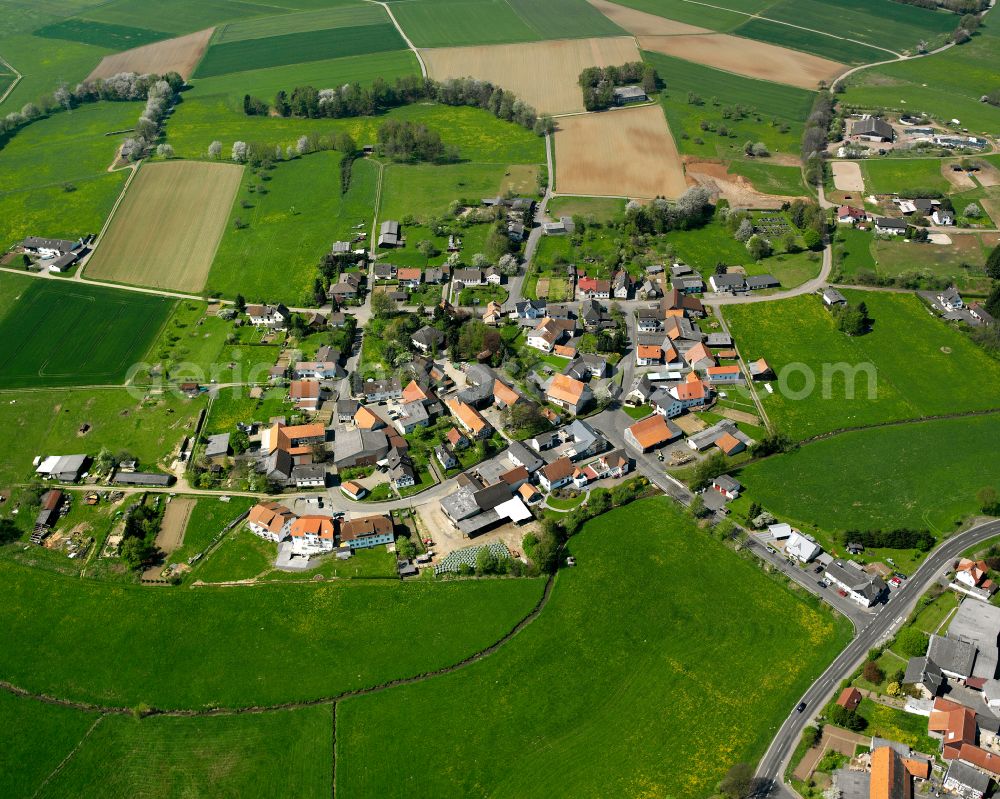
(619, 687)
(295, 48)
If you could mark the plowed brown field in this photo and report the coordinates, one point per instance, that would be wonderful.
(180, 55)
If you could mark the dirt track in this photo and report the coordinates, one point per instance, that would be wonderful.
(543, 74)
(180, 54)
(629, 152)
(175, 519)
(746, 57)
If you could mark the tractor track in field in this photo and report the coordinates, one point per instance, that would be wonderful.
(144, 711)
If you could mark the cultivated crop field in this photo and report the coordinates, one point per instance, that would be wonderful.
(190, 203)
(114, 37)
(517, 67)
(295, 48)
(921, 475)
(901, 325)
(716, 16)
(640, 23)
(180, 55)
(241, 755)
(66, 334)
(587, 706)
(340, 16)
(620, 153)
(746, 57)
(227, 644)
(178, 16)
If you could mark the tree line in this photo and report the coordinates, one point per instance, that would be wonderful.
(898, 538)
(598, 83)
(355, 100)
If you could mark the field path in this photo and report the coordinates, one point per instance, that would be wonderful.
(17, 79)
(415, 51)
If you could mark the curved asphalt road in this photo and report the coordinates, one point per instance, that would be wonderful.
(770, 771)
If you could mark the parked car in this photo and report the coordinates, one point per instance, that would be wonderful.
(895, 582)
(842, 592)
(818, 569)
(822, 584)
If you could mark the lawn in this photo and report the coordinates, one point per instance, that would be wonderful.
(602, 209)
(947, 85)
(770, 178)
(226, 645)
(295, 48)
(942, 371)
(50, 422)
(43, 67)
(921, 475)
(113, 37)
(241, 556)
(425, 191)
(587, 706)
(962, 261)
(904, 176)
(68, 334)
(852, 252)
(773, 112)
(374, 563)
(482, 295)
(295, 222)
(208, 519)
(897, 725)
(216, 755)
(39, 736)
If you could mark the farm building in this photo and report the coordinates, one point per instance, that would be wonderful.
(390, 234)
(624, 95)
(870, 128)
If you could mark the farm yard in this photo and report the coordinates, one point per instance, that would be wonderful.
(607, 719)
(64, 334)
(627, 153)
(517, 67)
(180, 55)
(901, 323)
(190, 202)
(746, 57)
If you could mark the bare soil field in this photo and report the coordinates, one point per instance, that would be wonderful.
(543, 74)
(167, 228)
(181, 55)
(746, 57)
(739, 191)
(175, 520)
(639, 23)
(988, 174)
(960, 180)
(847, 176)
(623, 153)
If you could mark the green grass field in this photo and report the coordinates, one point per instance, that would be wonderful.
(882, 23)
(295, 48)
(181, 16)
(39, 736)
(770, 178)
(209, 517)
(296, 221)
(266, 83)
(44, 64)
(223, 646)
(947, 85)
(284, 753)
(61, 334)
(775, 117)
(954, 375)
(918, 475)
(346, 16)
(809, 41)
(600, 208)
(49, 422)
(903, 175)
(113, 37)
(716, 17)
(241, 556)
(580, 704)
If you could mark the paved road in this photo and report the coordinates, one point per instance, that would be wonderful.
(880, 627)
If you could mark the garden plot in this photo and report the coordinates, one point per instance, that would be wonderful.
(627, 153)
(179, 55)
(847, 176)
(543, 74)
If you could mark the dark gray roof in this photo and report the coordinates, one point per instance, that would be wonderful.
(728, 280)
(217, 445)
(491, 496)
(761, 281)
(727, 483)
(890, 222)
(309, 471)
(428, 336)
(968, 775)
(921, 671)
(142, 479)
(524, 456)
(952, 654)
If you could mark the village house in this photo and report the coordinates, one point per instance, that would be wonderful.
(355, 447)
(863, 588)
(729, 373)
(624, 95)
(217, 448)
(456, 439)
(729, 282)
(651, 432)
(832, 297)
(890, 226)
(317, 370)
(309, 475)
(50, 248)
(568, 393)
(871, 128)
(366, 531)
(353, 490)
(446, 457)
(409, 277)
(271, 521)
(594, 316)
(492, 276)
(676, 300)
(592, 288)
(427, 339)
(727, 485)
(469, 418)
(367, 418)
(950, 299)
(758, 282)
(760, 370)
(849, 215)
(648, 320)
(648, 355)
(275, 317)
(550, 332)
(306, 394)
(493, 315)
(467, 277)
(621, 285)
(384, 271)
(530, 309)
(380, 390)
(556, 474)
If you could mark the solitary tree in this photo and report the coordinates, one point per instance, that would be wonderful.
(215, 149)
(382, 304)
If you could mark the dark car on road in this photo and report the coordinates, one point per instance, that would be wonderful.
(801, 706)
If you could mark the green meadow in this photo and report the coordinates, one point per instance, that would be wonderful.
(582, 704)
(695, 93)
(810, 41)
(770, 178)
(208, 518)
(114, 37)
(903, 175)
(921, 475)
(869, 379)
(345, 16)
(714, 16)
(224, 646)
(180, 16)
(44, 64)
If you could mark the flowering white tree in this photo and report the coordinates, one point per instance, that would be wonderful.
(215, 149)
(302, 145)
(239, 152)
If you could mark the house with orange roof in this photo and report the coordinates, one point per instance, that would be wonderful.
(730, 373)
(568, 393)
(954, 725)
(592, 288)
(305, 394)
(849, 698)
(651, 432)
(367, 419)
(311, 535)
(699, 357)
(353, 490)
(760, 370)
(648, 355)
(504, 396)
(456, 439)
(413, 393)
(730, 444)
(550, 332)
(528, 493)
(564, 351)
(556, 474)
(493, 314)
(271, 521)
(409, 278)
(971, 578)
(515, 477)
(469, 418)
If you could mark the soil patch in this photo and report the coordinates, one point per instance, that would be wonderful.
(739, 191)
(958, 179)
(847, 176)
(171, 55)
(690, 424)
(739, 416)
(639, 23)
(988, 174)
(175, 519)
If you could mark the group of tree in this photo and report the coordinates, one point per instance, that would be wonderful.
(160, 96)
(966, 7)
(412, 141)
(264, 155)
(691, 210)
(354, 100)
(125, 86)
(853, 320)
(598, 83)
(815, 137)
(137, 548)
(897, 538)
(848, 719)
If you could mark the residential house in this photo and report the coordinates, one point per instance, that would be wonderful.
(730, 444)
(446, 457)
(950, 299)
(759, 370)
(640, 391)
(651, 432)
(530, 309)
(380, 390)
(366, 531)
(515, 230)
(217, 448)
(412, 415)
(519, 455)
(468, 277)
(359, 448)
(625, 95)
(648, 320)
(528, 493)
(943, 217)
(729, 373)
(504, 396)
(717, 340)
(563, 226)
(648, 355)
(427, 339)
(479, 390)
(729, 282)
(758, 282)
(568, 393)
(848, 215)
(493, 315)
(621, 285)
(677, 300)
(367, 418)
(966, 781)
(550, 332)
(346, 409)
(409, 277)
(271, 521)
(556, 474)
(890, 226)
(953, 656)
(592, 288)
(318, 370)
(924, 676)
(849, 698)
(50, 248)
(801, 548)
(688, 285)
(401, 472)
(275, 317)
(727, 485)
(435, 275)
(971, 577)
(594, 316)
(981, 315)
(469, 418)
(586, 441)
(353, 490)
(698, 357)
(309, 475)
(390, 234)
(615, 464)
(865, 589)
(384, 271)
(492, 276)
(456, 439)
(305, 394)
